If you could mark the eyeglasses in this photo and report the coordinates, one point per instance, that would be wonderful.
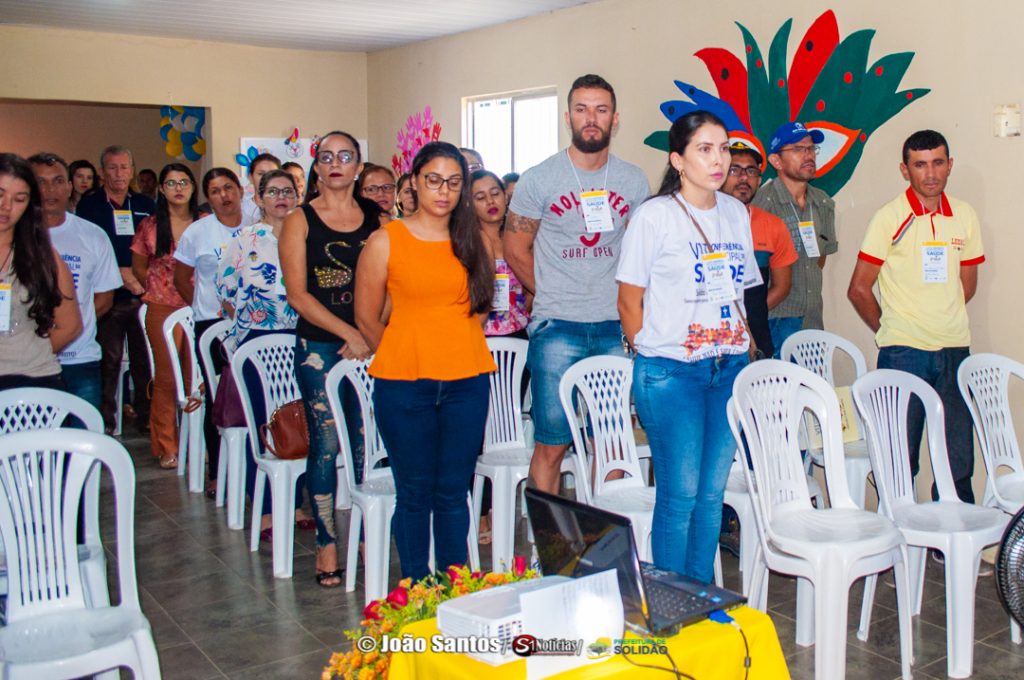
(274, 192)
(374, 189)
(327, 157)
(434, 181)
(750, 171)
(805, 150)
(172, 184)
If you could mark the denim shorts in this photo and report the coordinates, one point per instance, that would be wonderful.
(555, 346)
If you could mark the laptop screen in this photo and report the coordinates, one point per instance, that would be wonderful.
(574, 540)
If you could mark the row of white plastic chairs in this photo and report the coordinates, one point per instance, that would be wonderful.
(58, 619)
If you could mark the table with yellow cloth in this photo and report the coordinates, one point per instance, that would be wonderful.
(706, 651)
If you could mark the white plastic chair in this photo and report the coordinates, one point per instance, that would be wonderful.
(119, 393)
(143, 309)
(191, 446)
(38, 408)
(603, 384)
(984, 381)
(506, 456)
(51, 632)
(273, 356)
(231, 462)
(373, 500)
(815, 351)
(826, 549)
(959, 530)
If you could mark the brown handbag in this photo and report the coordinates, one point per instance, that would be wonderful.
(288, 430)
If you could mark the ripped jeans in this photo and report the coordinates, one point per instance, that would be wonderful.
(313, 360)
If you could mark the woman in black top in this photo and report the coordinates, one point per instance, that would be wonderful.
(319, 247)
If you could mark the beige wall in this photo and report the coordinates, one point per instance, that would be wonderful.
(83, 130)
(251, 91)
(969, 59)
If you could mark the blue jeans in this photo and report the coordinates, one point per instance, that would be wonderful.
(781, 329)
(313, 360)
(682, 408)
(432, 430)
(555, 346)
(83, 380)
(938, 369)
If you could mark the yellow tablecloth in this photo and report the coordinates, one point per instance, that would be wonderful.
(707, 651)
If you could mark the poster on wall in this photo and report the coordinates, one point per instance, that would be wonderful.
(292, 148)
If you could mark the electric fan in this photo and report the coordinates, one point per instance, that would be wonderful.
(1010, 568)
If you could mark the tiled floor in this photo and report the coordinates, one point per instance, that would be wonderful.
(217, 611)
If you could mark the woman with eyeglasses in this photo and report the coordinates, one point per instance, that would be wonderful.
(153, 246)
(84, 179)
(195, 273)
(319, 247)
(432, 362)
(406, 196)
(251, 289)
(686, 259)
(377, 183)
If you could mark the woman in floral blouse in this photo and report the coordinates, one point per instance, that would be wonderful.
(251, 290)
(153, 264)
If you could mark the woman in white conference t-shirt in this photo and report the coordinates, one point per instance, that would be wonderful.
(680, 303)
(195, 275)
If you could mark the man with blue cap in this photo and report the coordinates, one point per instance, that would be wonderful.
(809, 214)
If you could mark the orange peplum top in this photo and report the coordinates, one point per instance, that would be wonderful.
(431, 334)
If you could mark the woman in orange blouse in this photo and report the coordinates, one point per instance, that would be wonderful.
(431, 363)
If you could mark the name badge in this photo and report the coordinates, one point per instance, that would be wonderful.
(935, 261)
(809, 239)
(5, 308)
(123, 224)
(596, 213)
(502, 286)
(717, 278)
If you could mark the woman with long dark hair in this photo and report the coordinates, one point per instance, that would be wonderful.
(432, 361)
(84, 178)
(177, 206)
(686, 259)
(38, 311)
(319, 248)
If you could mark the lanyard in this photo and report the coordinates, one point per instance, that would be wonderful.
(796, 215)
(127, 204)
(606, 166)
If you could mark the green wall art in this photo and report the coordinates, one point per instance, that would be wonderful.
(828, 86)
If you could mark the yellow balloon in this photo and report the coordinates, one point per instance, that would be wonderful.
(173, 148)
(174, 136)
(200, 147)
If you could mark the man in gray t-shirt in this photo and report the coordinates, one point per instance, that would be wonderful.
(562, 239)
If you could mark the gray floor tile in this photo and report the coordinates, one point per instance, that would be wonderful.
(186, 662)
(234, 649)
(202, 591)
(303, 667)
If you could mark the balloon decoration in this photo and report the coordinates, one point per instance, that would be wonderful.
(828, 86)
(181, 128)
(244, 159)
(420, 129)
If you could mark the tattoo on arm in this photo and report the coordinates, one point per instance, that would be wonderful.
(518, 223)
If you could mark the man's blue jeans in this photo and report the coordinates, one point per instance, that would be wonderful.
(84, 380)
(432, 430)
(682, 408)
(938, 369)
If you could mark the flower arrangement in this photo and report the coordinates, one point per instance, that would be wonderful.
(405, 604)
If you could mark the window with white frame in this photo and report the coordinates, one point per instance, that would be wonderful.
(512, 131)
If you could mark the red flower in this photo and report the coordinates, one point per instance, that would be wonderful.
(372, 611)
(454, 573)
(519, 565)
(399, 597)
(477, 575)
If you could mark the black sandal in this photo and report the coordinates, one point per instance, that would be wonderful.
(322, 576)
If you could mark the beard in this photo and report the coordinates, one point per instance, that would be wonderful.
(591, 145)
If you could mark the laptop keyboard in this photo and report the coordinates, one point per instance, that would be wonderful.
(669, 602)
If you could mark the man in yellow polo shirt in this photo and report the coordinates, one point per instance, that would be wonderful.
(924, 249)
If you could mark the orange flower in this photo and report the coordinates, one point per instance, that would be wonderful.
(371, 657)
(405, 582)
(387, 626)
(367, 674)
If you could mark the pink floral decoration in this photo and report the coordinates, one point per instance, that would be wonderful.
(419, 130)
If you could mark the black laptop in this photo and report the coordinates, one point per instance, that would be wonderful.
(574, 539)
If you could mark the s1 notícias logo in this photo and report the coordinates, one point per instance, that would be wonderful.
(522, 645)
